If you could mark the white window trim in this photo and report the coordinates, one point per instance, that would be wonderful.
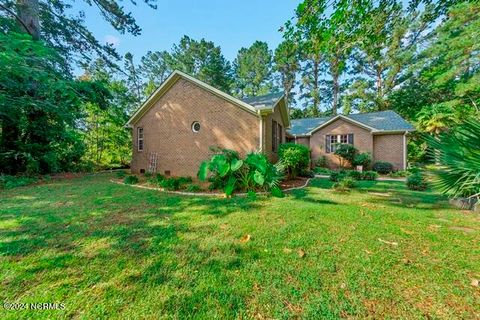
(140, 139)
(338, 138)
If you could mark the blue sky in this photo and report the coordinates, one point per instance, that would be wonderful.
(229, 24)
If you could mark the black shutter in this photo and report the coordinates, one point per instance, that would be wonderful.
(350, 139)
(327, 143)
(274, 136)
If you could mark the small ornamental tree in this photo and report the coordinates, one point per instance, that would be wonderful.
(295, 158)
(346, 153)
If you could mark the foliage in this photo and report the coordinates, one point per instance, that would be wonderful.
(382, 167)
(363, 159)
(320, 170)
(228, 172)
(369, 175)
(339, 175)
(202, 60)
(130, 179)
(344, 184)
(121, 174)
(399, 174)
(417, 182)
(307, 173)
(193, 188)
(286, 63)
(171, 184)
(253, 70)
(321, 162)
(458, 154)
(295, 158)
(39, 108)
(346, 152)
(63, 28)
(10, 182)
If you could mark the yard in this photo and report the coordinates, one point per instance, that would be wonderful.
(113, 251)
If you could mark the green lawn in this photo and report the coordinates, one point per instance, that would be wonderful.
(113, 251)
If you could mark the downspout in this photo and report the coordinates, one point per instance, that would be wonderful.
(261, 134)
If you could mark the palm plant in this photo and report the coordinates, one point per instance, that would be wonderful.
(458, 153)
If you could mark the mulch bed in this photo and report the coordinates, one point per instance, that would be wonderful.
(294, 183)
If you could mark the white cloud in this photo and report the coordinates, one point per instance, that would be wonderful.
(112, 40)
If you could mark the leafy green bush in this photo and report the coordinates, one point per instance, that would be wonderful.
(399, 174)
(345, 184)
(336, 176)
(225, 170)
(307, 173)
(357, 175)
(147, 174)
(323, 171)
(346, 152)
(185, 180)
(458, 153)
(295, 158)
(417, 182)
(10, 182)
(171, 184)
(369, 175)
(321, 162)
(363, 159)
(121, 174)
(193, 188)
(382, 167)
(130, 180)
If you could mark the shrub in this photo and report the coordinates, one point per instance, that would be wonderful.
(225, 170)
(193, 188)
(357, 175)
(159, 177)
(336, 176)
(324, 171)
(399, 174)
(10, 182)
(416, 182)
(171, 184)
(130, 180)
(382, 167)
(295, 158)
(307, 173)
(369, 175)
(363, 159)
(346, 152)
(321, 162)
(121, 174)
(345, 184)
(185, 180)
(147, 174)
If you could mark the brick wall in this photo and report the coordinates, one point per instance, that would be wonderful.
(167, 129)
(363, 140)
(389, 147)
(276, 115)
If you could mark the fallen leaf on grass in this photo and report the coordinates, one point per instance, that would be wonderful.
(406, 261)
(475, 282)
(301, 253)
(368, 252)
(287, 250)
(293, 308)
(406, 231)
(245, 238)
(388, 242)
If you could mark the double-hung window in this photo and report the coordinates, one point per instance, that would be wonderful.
(140, 139)
(332, 141)
(277, 135)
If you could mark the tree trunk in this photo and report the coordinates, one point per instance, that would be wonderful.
(316, 99)
(28, 13)
(336, 85)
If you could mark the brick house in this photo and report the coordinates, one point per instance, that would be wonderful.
(174, 129)
(179, 123)
(383, 134)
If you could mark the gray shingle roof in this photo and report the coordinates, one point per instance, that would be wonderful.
(265, 101)
(381, 121)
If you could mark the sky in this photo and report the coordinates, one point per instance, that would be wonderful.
(229, 24)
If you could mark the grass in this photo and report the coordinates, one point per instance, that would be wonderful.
(113, 251)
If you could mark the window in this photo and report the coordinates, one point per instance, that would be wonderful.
(140, 139)
(333, 140)
(196, 126)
